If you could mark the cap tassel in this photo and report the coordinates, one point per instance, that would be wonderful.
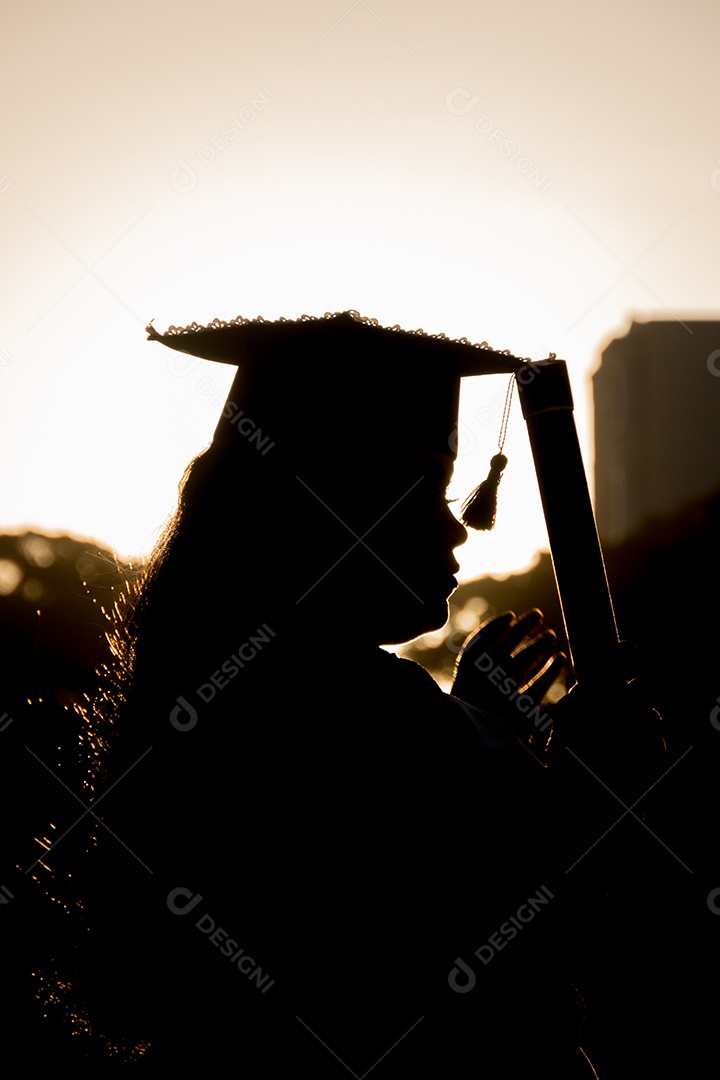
(480, 508)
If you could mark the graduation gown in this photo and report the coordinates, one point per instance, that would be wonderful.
(352, 873)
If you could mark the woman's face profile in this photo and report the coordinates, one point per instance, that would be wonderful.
(419, 544)
(388, 551)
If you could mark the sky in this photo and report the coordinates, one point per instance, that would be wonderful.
(535, 176)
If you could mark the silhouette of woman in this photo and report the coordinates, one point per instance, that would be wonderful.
(308, 856)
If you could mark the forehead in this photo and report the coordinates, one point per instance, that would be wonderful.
(431, 466)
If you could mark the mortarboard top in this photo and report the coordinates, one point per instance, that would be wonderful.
(314, 347)
(341, 391)
(247, 341)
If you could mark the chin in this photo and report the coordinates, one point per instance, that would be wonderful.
(431, 619)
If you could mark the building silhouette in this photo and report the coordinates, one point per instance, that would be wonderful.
(657, 423)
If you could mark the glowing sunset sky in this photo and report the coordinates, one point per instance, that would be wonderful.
(532, 175)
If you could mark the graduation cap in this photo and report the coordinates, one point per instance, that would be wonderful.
(341, 393)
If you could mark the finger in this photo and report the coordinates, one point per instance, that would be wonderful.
(490, 633)
(525, 626)
(530, 658)
(541, 684)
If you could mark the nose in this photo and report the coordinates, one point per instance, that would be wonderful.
(457, 531)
